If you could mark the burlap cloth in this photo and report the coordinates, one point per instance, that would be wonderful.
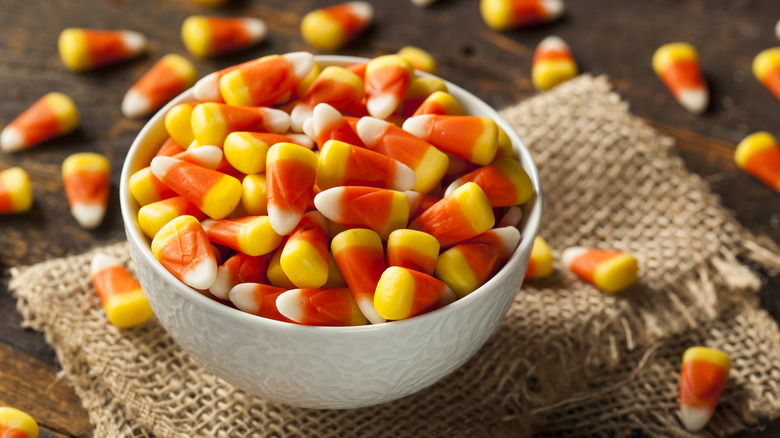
(567, 360)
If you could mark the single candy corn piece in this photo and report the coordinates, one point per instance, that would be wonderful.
(182, 247)
(305, 257)
(504, 181)
(17, 424)
(332, 27)
(759, 155)
(386, 81)
(553, 63)
(254, 195)
(214, 193)
(212, 122)
(147, 188)
(609, 270)
(178, 123)
(461, 215)
(53, 115)
(420, 59)
(540, 264)
(469, 137)
(402, 293)
(468, 265)
(413, 250)
(120, 293)
(86, 178)
(703, 376)
(343, 164)
(677, 64)
(152, 217)
(329, 124)
(380, 210)
(251, 235)
(766, 68)
(509, 14)
(207, 87)
(336, 86)
(428, 163)
(86, 49)
(258, 299)
(327, 307)
(247, 151)
(361, 260)
(290, 174)
(16, 195)
(206, 36)
(240, 268)
(166, 79)
(442, 103)
(262, 81)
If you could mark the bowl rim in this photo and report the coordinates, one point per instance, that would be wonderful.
(135, 236)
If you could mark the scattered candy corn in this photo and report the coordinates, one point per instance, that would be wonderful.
(766, 68)
(469, 137)
(305, 257)
(402, 293)
(553, 63)
(332, 27)
(166, 79)
(183, 248)
(504, 182)
(263, 81)
(87, 49)
(540, 264)
(413, 250)
(86, 177)
(206, 36)
(329, 307)
(120, 293)
(290, 174)
(16, 195)
(677, 64)
(17, 424)
(609, 270)
(53, 115)
(258, 299)
(759, 155)
(702, 378)
(240, 268)
(361, 260)
(342, 164)
(508, 14)
(386, 81)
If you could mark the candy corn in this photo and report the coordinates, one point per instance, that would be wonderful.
(17, 424)
(152, 217)
(240, 268)
(207, 36)
(511, 218)
(332, 27)
(85, 176)
(305, 257)
(254, 195)
(328, 124)
(361, 260)
(553, 63)
(402, 293)
(540, 264)
(766, 68)
(380, 210)
(702, 378)
(247, 151)
(166, 79)
(329, 307)
(459, 216)
(120, 293)
(677, 64)
(290, 174)
(468, 265)
(508, 14)
(469, 137)
(53, 115)
(386, 81)
(212, 122)
(343, 164)
(420, 59)
(16, 195)
(214, 193)
(419, 202)
(336, 86)
(207, 87)
(440, 102)
(759, 155)
(147, 188)
(182, 247)
(504, 181)
(258, 299)
(178, 123)
(169, 148)
(413, 250)
(261, 82)
(609, 270)
(251, 235)
(420, 88)
(86, 49)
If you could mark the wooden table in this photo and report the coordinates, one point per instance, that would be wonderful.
(612, 37)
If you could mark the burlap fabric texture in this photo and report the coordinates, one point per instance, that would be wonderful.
(567, 360)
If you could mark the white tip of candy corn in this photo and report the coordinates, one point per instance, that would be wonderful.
(255, 28)
(323, 117)
(301, 139)
(102, 261)
(201, 274)
(207, 156)
(289, 304)
(299, 115)
(276, 120)
(135, 42)
(161, 165)
(328, 202)
(363, 10)
(11, 140)
(694, 418)
(694, 101)
(242, 295)
(366, 306)
(308, 128)
(404, 178)
(135, 105)
(509, 236)
(207, 89)
(89, 216)
(414, 199)
(382, 105)
(222, 284)
(371, 130)
(418, 125)
(553, 42)
(282, 221)
(571, 254)
(453, 186)
(512, 217)
(302, 63)
(554, 8)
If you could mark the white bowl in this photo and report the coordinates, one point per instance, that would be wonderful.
(326, 367)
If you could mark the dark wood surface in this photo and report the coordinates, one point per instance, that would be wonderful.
(612, 37)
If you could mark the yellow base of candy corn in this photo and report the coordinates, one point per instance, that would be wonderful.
(12, 420)
(128, 309)
(304, 265)
(548, 74)
(616, 274)
(454, 270)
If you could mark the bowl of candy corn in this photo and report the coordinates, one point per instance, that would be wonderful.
(329, 231)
